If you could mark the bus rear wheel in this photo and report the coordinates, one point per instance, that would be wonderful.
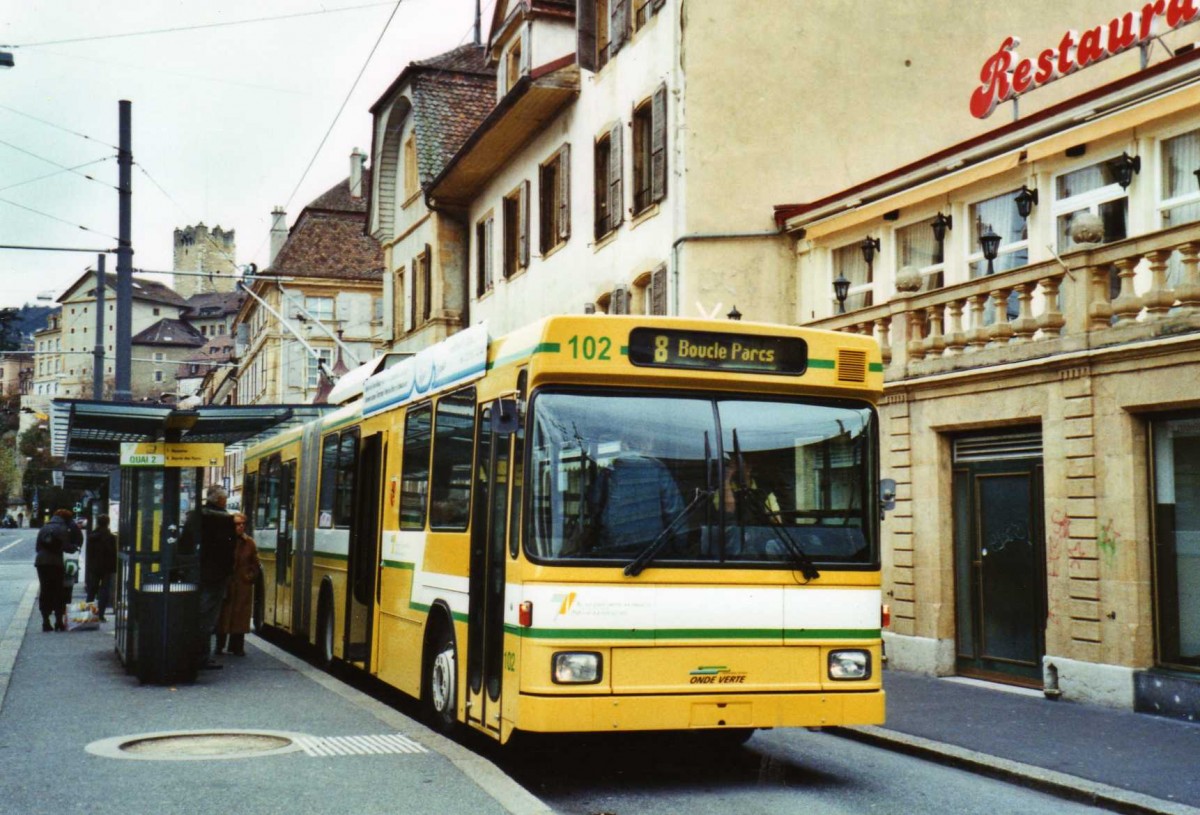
(441, 681)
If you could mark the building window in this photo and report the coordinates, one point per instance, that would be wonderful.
(1001, 216)
(554, 191)
(650, 151)
(158, 376)
(516, 230)
(916, 247)
(314, 372)
(649, 294)
(159, 356)
(156, 312)
(321, 308)
(608, 193)
(1176, 444)
(848, 262)
(601, 33)
(411, 180)
(1180, 198)
(483, 255)
(1091, 189)
(514, 65)
(420, 298)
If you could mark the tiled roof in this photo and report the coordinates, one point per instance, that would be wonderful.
(338, 198)
(144, 289)
(228, 302)
(447, 109)
(470, 59)
(325, 244)
(169, 332)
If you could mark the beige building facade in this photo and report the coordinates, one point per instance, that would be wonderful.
(1033, 283)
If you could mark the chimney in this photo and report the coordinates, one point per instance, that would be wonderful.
(279, 232)
(356, 173)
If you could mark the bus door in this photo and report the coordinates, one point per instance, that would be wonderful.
(363, 565)
(283, 545)
(485, 634)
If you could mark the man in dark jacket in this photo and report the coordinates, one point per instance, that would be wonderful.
(60, 534)
(217, 537)
(101, 559)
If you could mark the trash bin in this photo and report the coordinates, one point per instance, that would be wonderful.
(167, 646)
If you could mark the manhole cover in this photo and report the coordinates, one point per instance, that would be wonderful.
(197, 745)
(206, 745)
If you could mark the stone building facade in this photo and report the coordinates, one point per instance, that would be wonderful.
(204, 260)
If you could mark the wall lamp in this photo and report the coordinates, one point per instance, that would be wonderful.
(1026, 200)
(940, 224)
(989, 242)
(1126, 166)
(734, 314)
(869, 247)
(841, 288)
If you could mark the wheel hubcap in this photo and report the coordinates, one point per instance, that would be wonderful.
(442, 686)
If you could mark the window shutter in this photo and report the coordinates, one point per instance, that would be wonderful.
(523, 226)
(618, 26)
(524, 66)
(658, 290)
(408, 297)
(564, 192)
(615, 188)
(488, 251)
(620, 300)
(427, 284)
(658, 145)
(480, 259)
(585, 34)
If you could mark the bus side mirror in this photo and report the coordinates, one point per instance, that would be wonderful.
(887, 495)
(505, 416)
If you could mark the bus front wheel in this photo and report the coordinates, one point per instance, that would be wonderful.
(441, 681)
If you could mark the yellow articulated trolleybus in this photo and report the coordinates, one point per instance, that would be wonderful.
(594, 524)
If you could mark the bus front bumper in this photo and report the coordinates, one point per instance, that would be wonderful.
(566, 714)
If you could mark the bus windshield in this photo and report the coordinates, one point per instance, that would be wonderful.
(701, 481)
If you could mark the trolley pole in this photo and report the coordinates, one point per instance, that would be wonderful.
(98, 350)
(124, 325)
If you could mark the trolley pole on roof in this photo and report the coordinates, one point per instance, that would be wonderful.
(124, 325)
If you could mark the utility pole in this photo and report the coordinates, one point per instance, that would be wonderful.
(124, 327)
(98, 351)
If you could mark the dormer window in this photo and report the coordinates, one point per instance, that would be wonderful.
(513, 65)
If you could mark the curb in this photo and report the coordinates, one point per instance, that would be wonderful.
(515, 799)
(1062, 785)
(10, 643)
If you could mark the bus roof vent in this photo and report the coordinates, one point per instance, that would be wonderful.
(851, 365)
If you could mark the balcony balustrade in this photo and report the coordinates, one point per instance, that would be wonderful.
(1064, 305)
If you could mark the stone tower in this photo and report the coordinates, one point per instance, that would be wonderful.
(210, 253)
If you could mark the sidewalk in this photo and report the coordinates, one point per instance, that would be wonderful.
(1129, 762)
(297, 739)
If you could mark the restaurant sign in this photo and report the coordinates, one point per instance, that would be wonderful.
(1007, 75)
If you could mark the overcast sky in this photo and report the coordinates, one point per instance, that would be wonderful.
(226, 118)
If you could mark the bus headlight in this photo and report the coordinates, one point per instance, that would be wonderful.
(849, 664)
(576, 668)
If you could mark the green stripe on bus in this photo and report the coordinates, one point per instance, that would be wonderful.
(540, 348)
(831, 634)
(397, 564)
(821, 363)
(876, 367)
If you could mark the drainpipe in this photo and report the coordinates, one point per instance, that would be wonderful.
(705, 236)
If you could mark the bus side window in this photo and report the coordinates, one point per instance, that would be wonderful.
(329, 450)
(347, 464)
(414, 474)
(454, 432)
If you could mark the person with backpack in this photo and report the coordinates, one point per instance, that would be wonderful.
(58, 535)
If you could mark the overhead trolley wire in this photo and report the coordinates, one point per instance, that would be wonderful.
(62, 167)
(59, 127)
(191, 27)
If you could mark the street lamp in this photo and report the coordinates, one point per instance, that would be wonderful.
(733, 314)
(989, 242)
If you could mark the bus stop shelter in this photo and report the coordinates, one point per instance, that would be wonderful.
(161, 453)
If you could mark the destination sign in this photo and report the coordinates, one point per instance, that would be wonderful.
(707, 350)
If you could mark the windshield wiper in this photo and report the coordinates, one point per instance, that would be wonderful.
(759, 505)
(639, 563)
